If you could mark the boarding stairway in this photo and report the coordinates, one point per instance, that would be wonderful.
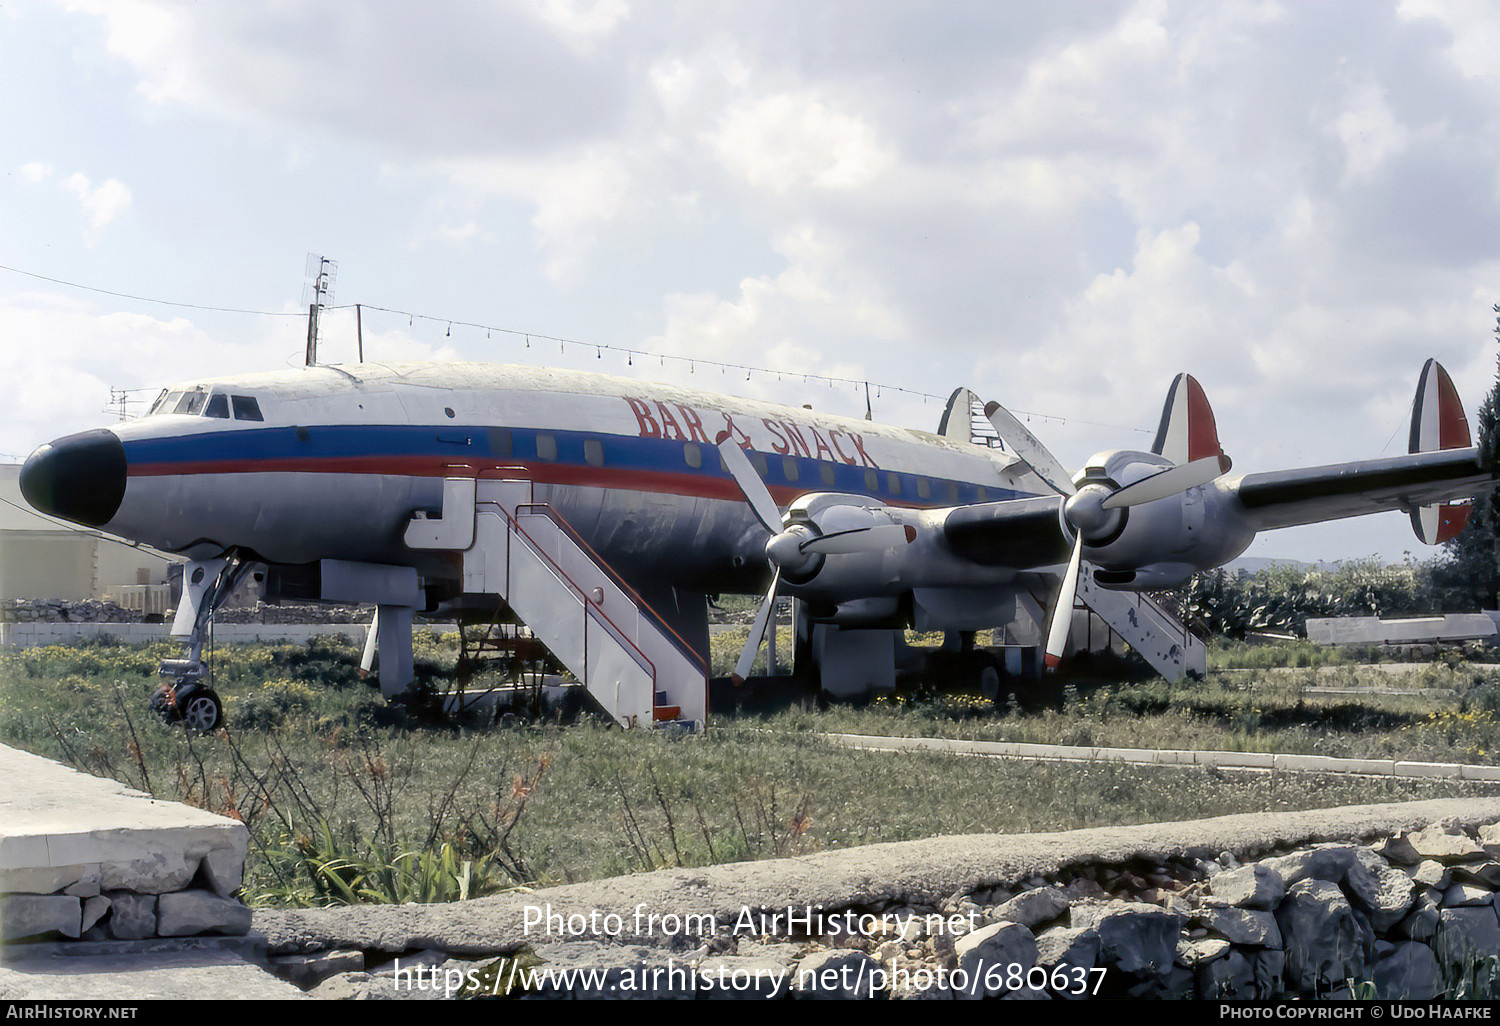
(1161, 639)
(606, 635)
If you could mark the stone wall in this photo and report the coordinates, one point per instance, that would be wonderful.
(65, 611)
(1145, 912)
(84, 858)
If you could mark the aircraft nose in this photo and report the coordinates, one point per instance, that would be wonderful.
(77, 477)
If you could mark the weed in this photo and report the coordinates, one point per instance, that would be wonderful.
(344, 796)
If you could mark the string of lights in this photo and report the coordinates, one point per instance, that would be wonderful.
(600, 348)
(631, 355)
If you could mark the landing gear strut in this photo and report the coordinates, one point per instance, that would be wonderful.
(184, 697)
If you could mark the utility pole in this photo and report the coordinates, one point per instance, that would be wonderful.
(318, 291)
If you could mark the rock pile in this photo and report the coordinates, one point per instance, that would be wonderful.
(294, 613)
(1403, 918)
(65, 611)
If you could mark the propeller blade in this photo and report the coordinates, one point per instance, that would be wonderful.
(757, 631)
(859, 539)
(755, 490)
(1062, 613)
(1025, 445)
(1168, 482)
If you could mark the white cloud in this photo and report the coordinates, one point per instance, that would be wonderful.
(581, 23)
(68, 354)
(787, 141)
(101, 205)
(1369, 131)
(1475, 29)
(811, 319)
(573, 196)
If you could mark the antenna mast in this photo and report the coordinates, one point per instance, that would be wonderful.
(119, 402)
(318, 292)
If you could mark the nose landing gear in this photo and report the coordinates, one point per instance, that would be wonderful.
(184, 697)
(192, 703)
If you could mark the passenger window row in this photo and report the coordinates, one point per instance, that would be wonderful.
(501, 444)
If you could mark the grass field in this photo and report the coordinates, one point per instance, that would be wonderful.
(348, 799)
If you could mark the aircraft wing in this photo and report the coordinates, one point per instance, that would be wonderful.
(1287, 498)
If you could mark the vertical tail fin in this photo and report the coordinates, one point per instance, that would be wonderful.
(1187, 431)
(1438, 422)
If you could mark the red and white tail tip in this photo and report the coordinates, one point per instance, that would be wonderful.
(1438, 422)
(1187, 431)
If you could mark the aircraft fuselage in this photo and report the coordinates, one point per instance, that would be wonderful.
(340, 459)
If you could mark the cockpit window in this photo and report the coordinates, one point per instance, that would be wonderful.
(191, 403)
(246, 408)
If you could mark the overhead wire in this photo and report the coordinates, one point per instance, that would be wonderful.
(148, 299)
(598, 347)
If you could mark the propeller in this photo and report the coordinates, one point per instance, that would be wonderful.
(1094, 510)
(1062, 612)
(754, 489)
(1090, 509)
(793, 546)
(1168, 482)
(1025, 445)
(757, 632)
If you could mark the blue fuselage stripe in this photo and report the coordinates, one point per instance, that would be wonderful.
(259, 450)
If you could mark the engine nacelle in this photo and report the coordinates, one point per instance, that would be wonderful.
(1160, 544)
(921, 560)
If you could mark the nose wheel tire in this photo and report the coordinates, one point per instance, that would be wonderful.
(198, 709)
(201, 711)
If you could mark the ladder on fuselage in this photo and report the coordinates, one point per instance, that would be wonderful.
(594, 623)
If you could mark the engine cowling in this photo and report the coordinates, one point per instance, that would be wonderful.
(920, 559)
(1156, 544)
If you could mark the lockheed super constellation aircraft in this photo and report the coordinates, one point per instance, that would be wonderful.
(602, 511)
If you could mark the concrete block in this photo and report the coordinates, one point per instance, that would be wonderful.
(1426, 769)
(188, 913)
(65, 821)
(1371, 767)
(29, 915)
(1251, 760)
(131, 916)
(79, 881)
(94, 909)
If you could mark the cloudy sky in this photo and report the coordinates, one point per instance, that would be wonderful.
(1060, 205)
